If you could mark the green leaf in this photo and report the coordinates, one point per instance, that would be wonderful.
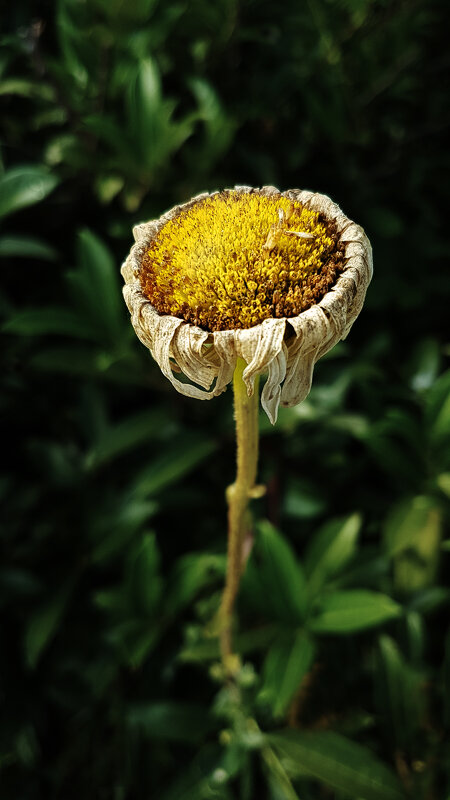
(76, 45)
(331, 549)
(400, 694)
(338, 762)
(134, 639)
(351, 611)
(202, 779)
(218, 125)
(107, 187)
(398, 443)
(446, 680)
(304, 500)
(25, 88)
(71, 360)
(96, 286)
(174, 722)
(143, 580)
(424, 364)
(274, 567)
(152, 133)
(26, 247)
(132, 432)
(430, 599)
(443, 481)
(117, 526)
(43, 625)
(44, 321)
(367, 570)
(175, 461)
(90, 361)
(24, 186)
(286, 664)
(144, 103)
(437, 407)
(354, 424)
(390, 676)
(412, 535)
(192, 573)
(280, 785)
(416, 635)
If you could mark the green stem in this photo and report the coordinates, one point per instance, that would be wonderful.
(238, 497)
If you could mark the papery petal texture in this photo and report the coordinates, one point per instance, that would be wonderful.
(285, 349)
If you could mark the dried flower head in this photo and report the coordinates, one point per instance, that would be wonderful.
(274, 278)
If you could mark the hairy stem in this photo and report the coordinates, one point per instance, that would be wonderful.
(238, 496)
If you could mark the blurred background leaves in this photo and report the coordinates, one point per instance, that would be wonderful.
(114, 523)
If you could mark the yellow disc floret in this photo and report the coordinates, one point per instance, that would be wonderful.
(233, 259)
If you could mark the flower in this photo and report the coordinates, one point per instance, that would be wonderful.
(275, 278)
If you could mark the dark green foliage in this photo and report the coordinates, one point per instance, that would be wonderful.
(113, 533)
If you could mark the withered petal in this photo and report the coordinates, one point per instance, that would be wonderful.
(286, 349)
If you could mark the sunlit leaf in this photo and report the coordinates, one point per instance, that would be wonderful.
(97, 282)
(24, 186)
(26, 88)
(26, 247)
(352, 611)
(443, 481)
(424, 364)
(304, 500)
(412, 536)
(331, 549)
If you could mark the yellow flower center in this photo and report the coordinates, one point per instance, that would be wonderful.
(233, 259)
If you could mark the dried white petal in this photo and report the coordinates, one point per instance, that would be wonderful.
(312, 331)
(258, 346)
(285, 349)
(186, 349)
(271, 393)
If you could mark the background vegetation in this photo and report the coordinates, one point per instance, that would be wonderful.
(114, 527)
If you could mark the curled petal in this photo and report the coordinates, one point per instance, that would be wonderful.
(261, 348)
(127, 272)
(312, 330)
(186, 349)
(164, 334)
(299, 195)
(223, 352)
(271, 393)
(286, 349)
(144, 231)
